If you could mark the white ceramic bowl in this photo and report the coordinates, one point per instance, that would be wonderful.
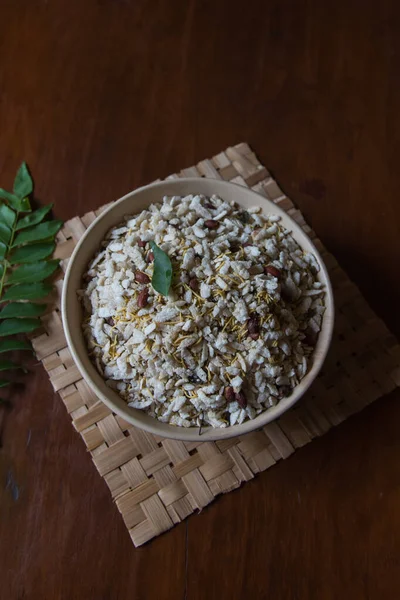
(89, 244)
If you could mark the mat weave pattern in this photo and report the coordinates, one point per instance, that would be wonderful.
(155, 482)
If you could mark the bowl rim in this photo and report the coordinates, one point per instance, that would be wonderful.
(207, 433)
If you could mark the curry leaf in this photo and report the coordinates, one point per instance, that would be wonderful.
(24, 205)
(5, 233)
(9, 345)
(244, 217)
(7, 215)
(12, 199)
(13, 326)
(38, 233)
(3, 250)
(31, 273)
(23, 184)
(34, 218)
(27, 291)
(6, 365)
(162, 274)
(22, 309)
(4, 383)
(31, 253)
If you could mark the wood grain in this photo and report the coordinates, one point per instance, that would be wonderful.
(100, 97)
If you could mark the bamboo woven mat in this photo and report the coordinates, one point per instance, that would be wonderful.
(156, 483)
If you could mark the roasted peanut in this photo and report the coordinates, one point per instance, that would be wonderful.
(142, 277)
(142, 298)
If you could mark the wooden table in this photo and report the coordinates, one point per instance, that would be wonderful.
(102, 96)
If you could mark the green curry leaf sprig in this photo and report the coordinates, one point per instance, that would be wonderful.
(26, 246)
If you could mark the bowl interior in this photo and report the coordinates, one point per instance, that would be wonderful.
(89, 244)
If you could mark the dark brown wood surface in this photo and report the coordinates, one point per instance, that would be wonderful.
(102, 96)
